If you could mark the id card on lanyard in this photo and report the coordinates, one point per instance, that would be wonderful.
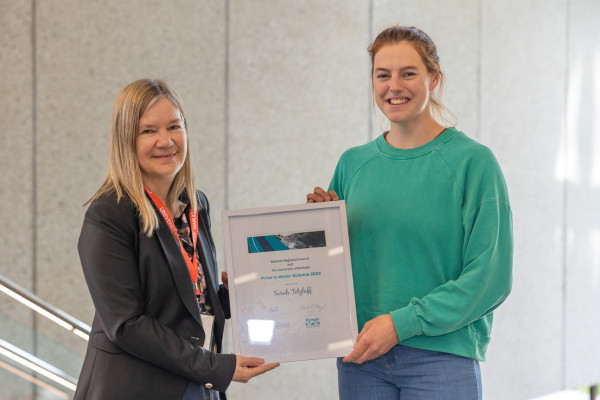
(208, 326)
(164, 212)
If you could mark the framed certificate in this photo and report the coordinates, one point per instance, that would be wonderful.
(290, 281)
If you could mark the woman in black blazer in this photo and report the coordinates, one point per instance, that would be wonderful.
(150, 265)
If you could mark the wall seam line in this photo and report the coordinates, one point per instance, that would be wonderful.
(34, 143)
(479, 94)
(34, 172)
(226, 110)
(565, 216)
(371, 106)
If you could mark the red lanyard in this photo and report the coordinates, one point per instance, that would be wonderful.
(191, 264)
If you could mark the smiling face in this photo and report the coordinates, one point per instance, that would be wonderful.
(402, 84)
(161, 145)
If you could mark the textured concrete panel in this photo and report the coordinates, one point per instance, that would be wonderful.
(86, 54)
(457, 41)
(298, 96)
(16, 193)
(523, 91)
(582, 325)
(16, 142)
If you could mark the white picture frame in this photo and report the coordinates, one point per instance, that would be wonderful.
(290, 281)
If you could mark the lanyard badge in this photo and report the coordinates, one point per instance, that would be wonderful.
(164, 212)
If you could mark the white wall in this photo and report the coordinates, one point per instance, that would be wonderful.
(275, 91)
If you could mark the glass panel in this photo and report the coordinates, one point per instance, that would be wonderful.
(29, 331)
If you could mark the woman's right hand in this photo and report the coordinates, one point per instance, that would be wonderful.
(320, 195)
(247, 368)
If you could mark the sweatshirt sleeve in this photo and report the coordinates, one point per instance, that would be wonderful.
(486, 277)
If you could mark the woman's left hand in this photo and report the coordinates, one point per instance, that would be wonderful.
(377, 337)
(225, 280)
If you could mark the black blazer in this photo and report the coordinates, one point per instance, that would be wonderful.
(147, 333)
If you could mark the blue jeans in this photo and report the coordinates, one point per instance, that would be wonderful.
(407, 373)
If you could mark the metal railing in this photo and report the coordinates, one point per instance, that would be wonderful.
(38, 365)
(29, 361)
(44, 308)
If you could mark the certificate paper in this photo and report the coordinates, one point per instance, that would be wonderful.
(208, 322)
(290, 281)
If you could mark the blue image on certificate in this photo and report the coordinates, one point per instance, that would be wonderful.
(287, 241)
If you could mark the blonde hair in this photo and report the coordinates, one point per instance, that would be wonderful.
(124, 175)
(428, 52)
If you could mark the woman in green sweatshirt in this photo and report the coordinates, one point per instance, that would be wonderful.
(430, 229)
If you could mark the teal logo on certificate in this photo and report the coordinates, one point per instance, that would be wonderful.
(286, 241)
(313, 322)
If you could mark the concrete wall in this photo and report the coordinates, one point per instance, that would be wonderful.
(275, 91)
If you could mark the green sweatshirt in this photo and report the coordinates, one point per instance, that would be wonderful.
(430, 238)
